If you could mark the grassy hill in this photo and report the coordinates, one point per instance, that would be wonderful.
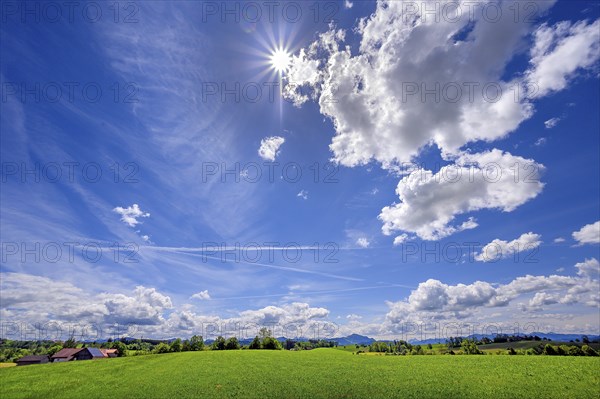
(320, 373)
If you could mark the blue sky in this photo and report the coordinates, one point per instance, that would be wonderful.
(145, 131)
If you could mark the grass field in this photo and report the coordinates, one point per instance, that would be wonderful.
(320, 373)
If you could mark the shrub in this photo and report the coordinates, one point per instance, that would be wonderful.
(162, 348)
(575, 351)
(588, 351)
(549, 350)
(417, 350)
(469, 347)
(176, 346)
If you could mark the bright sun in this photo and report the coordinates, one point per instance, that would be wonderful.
(280, 60)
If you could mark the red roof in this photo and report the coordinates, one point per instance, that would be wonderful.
(108, 352)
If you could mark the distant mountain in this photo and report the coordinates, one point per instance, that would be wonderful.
(353, 339)
(551, 336)
(564, 337)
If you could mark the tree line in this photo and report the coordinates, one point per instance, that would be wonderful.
(469, 346)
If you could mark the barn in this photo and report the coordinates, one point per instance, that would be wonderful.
(70, 354)
(32, 359)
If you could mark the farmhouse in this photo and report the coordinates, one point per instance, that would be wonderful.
(69, 354)
(32, 359)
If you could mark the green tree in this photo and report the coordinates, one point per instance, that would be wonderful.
(53, 349)
(378, 346)
(264, 333)
(176, 346)
(120, 347)
(417, 350)
(255, 344)
(271, 343)
(585, 339)
(70, 343)
(162, 348)
(232, 343)
(549, 350)
(196, 343)
(218, 344)
(469, 347)
(575, 351)
(588, 351)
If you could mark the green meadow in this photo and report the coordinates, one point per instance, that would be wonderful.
(320, 373)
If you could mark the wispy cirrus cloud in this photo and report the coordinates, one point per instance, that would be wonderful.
(550, 123)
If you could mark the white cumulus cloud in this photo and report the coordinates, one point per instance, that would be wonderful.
(560, 51)
(588, 234)
(429, 203)
(303, 194)
(401, 239)
(363, 242)
(377, 98)
(202, 295)
(500, 249)
(434, 300)
(131, 214)
(588, 268)
(418, 81)
(269, 147)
